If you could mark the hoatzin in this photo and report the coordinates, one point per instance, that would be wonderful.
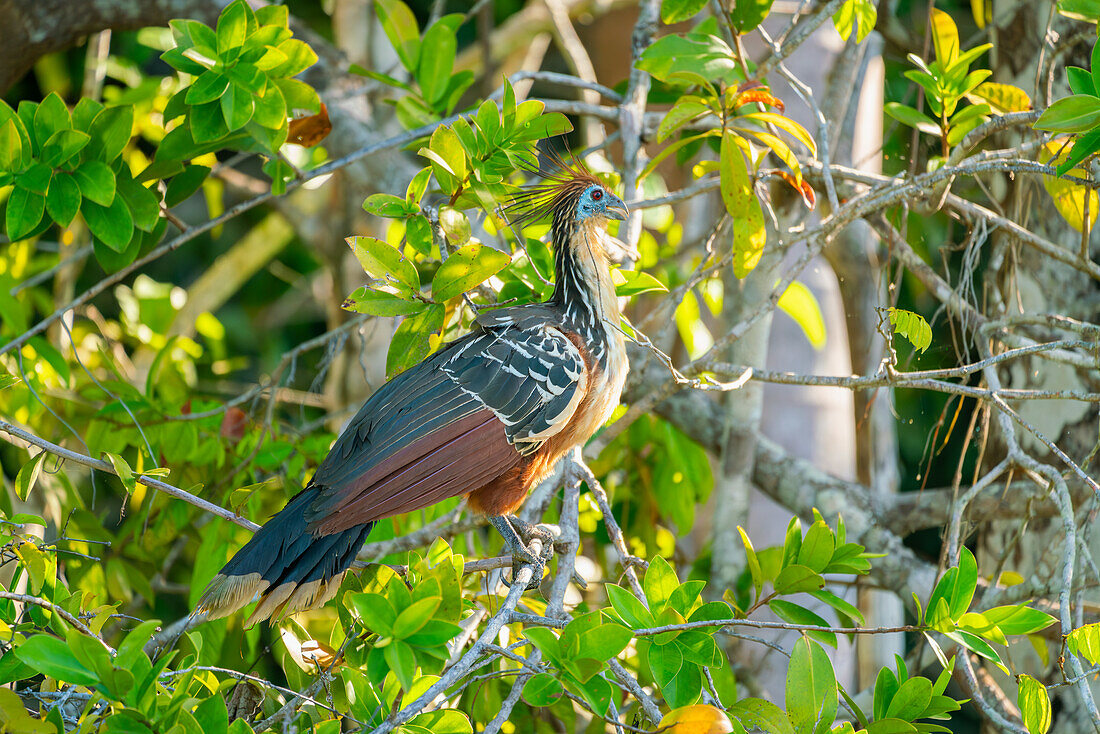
(486, 416)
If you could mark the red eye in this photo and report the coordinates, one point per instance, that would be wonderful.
(597, 195)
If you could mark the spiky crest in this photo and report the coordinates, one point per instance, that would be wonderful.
(556, 196)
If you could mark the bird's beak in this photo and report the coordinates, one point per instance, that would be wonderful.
(616, 209)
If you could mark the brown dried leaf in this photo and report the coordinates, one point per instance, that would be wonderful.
(307, 131)
(803, 188)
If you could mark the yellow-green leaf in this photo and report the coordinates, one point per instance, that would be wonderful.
(28, 476)
(749, 238)
(735, 182)
(466, 268)
(1070, 199)
(1003, 98)
(123, 470)
(945, 36)
(787, 125)
(912, 326)
(1034, 704)
(800, 304)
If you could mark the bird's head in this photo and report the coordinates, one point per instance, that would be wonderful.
(570, 195)
(597, 201)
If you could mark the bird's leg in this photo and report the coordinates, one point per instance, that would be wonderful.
(521, 553)
(548, 534)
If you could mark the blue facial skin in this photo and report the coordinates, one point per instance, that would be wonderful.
(596, 201)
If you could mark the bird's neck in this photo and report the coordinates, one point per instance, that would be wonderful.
(583, 287)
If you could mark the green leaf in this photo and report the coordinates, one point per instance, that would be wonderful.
(375, 611)
(24, 212)
(945, 37)
(748, 14)
(212, 715)
(112, 224)
(11, 146)
(418, 186)
(467, 268)
(912, 326)
(237, 107)
(410, 342)
(376, 302)
(123, 471)
(1087, 10)
(753, 562)
(1085, 642)
(412, 618)
(1034, 704)
(111, 131)
(96, 182)
(796, 578)
(35, 179)
(455, 226)
(1019, 619)
(632, 611)
(965, 584)
(685, 60)
(685, 110)
(63, 145)
(52, 657)
(673, 674)
(541, 690)
(605, 641)
(400, 27)
(184, 184)
(910, 700)
(434, 70)
(298, 57)
(1004, 98)
(299, 96)
(756, 713)
(1076, 114)
(270, 109)
(207, 87)
(792, 613)
(677, 11)
(1080, 81)
(811, 688)
(50, 116)
(388, 205)
(977, 645)
(659, 583)
(28, 476)
(749, 239)
(402, 661)
(735, 182)
(857, 15)
(143, 204)
(912, 117)
(63, 199)
(632, 282)
(232, 26)
(383, 261)
(839, 604)
(800, 303)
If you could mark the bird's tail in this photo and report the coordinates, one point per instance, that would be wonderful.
(285, 565)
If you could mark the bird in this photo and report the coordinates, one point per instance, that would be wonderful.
(486, 416)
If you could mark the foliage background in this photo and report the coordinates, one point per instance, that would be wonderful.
(229, 360)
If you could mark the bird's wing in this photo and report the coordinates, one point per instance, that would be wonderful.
(449, 425)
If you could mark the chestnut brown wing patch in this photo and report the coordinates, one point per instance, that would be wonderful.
(452, 460)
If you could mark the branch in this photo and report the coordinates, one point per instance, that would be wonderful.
(104, 466)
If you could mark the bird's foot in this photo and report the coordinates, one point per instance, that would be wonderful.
(536, 552)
